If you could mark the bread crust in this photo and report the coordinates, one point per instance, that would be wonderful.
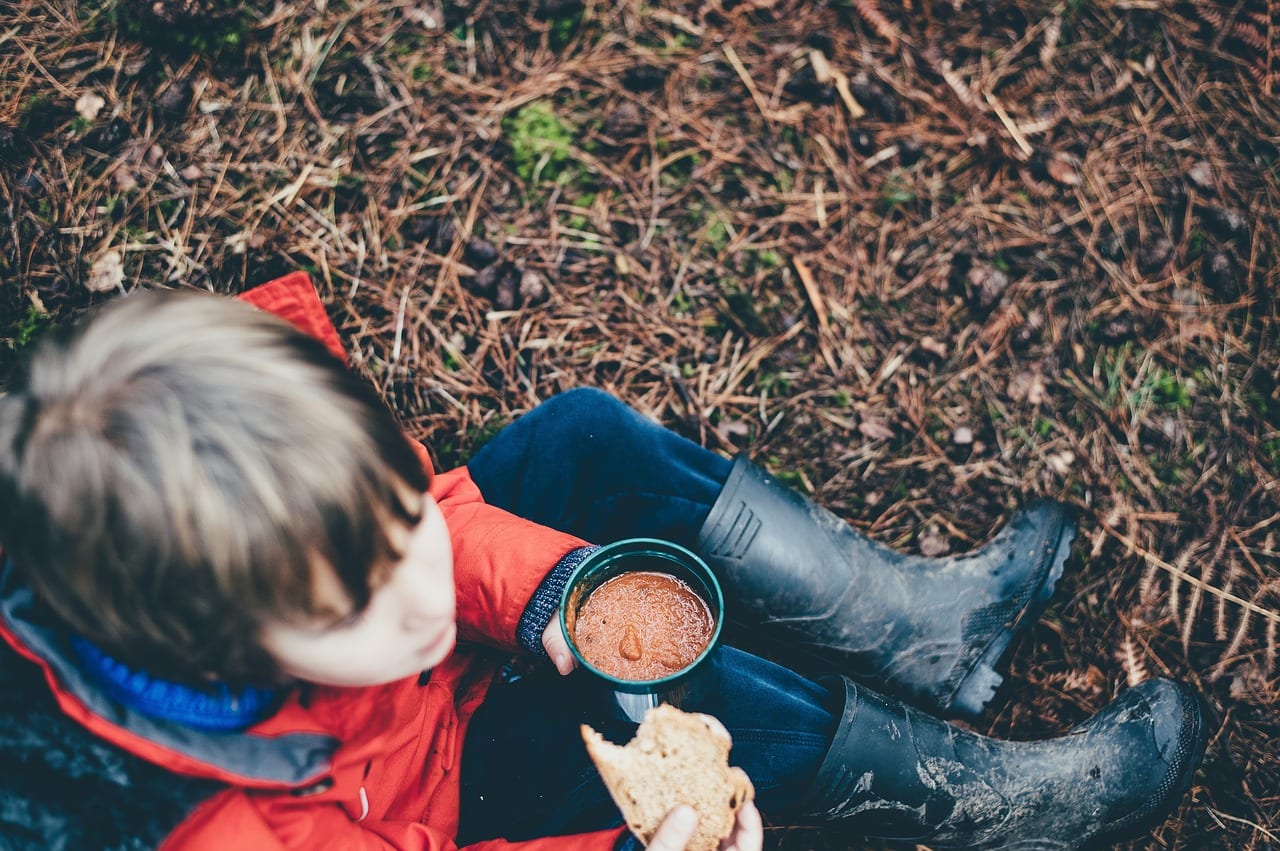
(675, 758)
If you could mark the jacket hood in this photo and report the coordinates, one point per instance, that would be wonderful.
(254, 757)
(64, 789)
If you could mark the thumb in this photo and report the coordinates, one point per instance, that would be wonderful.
(675, 831)
(553, 641)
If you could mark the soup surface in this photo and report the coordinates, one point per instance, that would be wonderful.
(642, 625)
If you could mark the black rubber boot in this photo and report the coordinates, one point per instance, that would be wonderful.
(928, 630)
(894, 772)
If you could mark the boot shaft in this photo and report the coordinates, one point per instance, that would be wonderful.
(929, 630)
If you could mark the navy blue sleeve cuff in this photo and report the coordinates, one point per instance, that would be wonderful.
(546, 601)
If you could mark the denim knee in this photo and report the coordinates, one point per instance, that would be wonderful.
(587, 414)
(585, 404)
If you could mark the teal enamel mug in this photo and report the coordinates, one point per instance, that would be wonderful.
(643, 617)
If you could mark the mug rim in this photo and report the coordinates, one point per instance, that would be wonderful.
(672, 552)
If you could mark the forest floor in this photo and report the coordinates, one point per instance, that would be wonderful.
(926, 261)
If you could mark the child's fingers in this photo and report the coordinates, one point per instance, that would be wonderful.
(553, 641)
(714, 723)
(748, 830)
(675, 831)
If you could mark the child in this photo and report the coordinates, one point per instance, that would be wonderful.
(228, 562)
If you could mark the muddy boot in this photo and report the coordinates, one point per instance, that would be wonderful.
(928, 630)
(894, 772)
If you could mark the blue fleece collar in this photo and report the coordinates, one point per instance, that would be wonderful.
(217, 710)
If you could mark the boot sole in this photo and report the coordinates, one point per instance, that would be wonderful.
(979, 686)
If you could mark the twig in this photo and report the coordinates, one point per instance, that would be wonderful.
(732, 56)
(814, 294)
(770, 115)
(399, 332)
(1009, 125)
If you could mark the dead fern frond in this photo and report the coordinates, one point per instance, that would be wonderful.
(1264, 79)
(1249, 33)
(1242, 615)
(1211, 15)
(1192, 613)
(1269, 648)
(1220, 627)
(870, 12)
(1135, 670)
(1147, 590)
(1086, 682)
(1049, 49)
(1253, 29)
(1229, 655)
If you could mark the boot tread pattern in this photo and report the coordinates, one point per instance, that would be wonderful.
(973, 681)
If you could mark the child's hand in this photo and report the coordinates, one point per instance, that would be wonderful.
(677, 828)
(748, 830)
(553, 641)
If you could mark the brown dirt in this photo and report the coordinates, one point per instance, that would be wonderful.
(1027, 250)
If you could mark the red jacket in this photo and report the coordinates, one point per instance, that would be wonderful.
(363, 768)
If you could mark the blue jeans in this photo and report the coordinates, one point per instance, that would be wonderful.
(585, 463)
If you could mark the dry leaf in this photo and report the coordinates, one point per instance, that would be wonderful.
(237, 242)
(1063, 171)
(1027, 387)
(106, 273)
(89, 104)
(875, 430)
(733, 430)
(1201, 174)
(124, 180)
(430, 16)
(932, 542)
(987, 283)
(1061, 462)
(1250, 685)
(533, 287)
(933, 347)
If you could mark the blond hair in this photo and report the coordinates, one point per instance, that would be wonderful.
(173, 471)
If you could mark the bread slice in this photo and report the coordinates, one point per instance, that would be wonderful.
(675, 758)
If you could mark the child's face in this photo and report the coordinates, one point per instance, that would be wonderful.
(407, 627)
